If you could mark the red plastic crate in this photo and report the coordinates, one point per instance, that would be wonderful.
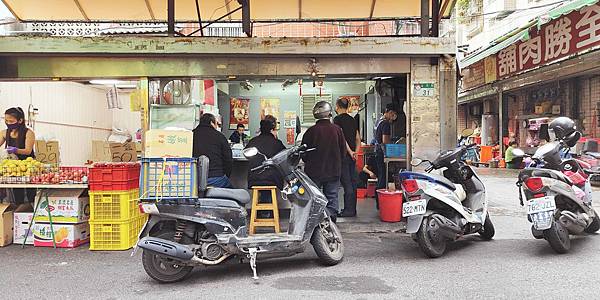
(114, 177)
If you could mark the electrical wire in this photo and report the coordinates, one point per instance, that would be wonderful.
(515, 10)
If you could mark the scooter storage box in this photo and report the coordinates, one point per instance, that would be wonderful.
(168, 178)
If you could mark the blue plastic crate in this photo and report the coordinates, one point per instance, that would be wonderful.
(395, 150)
(168, 178)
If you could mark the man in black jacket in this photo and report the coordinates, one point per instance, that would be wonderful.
(267, 144)
(324, 165)
(213, 144)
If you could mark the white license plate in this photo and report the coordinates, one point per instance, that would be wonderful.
(542, 220)
(150, 208)
(537, 205)
(412, 208)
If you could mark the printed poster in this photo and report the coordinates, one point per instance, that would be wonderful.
(353, 103)
(290, 135)
(289, 119)
(239, 111)
(269, 107)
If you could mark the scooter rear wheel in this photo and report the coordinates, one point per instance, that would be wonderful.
(163, 269)
(431, 243)
(558, 237)
(328, 243)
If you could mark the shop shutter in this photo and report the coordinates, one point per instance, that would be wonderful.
(307, 104)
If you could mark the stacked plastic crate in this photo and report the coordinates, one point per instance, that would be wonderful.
(170, 180)
(115, 219)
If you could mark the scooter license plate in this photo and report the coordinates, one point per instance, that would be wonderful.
(538, 205)
(412, 208)
(149, 208)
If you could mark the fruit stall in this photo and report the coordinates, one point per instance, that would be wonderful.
(73, 205)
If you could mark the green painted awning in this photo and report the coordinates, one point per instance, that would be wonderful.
(523, 34)
(567, 8)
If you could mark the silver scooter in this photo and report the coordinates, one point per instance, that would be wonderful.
(214, 228)
(444, 208)
(558, 197)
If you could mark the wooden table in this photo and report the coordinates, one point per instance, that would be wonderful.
(44, 190)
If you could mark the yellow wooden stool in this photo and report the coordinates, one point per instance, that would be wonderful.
(256, 206)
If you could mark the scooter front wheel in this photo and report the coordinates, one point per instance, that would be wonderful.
(163, 269)
(328, 243)
(430, 242)
(558, 238)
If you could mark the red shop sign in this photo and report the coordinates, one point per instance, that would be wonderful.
(567, 35)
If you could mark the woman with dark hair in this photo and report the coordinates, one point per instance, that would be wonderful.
(268, 144)
(19, 140)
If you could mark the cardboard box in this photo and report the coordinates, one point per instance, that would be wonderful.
(6, 224)
(22, 218)
(172, 143)
(113, 152)
(65, 235)
(66, 206)
(47, 152)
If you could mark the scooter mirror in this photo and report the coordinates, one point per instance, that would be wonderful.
(415, 162)
(250, 152)
(467, 132)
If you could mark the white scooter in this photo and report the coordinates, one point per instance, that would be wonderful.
(444, 208)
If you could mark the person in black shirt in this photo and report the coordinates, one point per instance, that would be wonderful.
(324, 165)
(383, 135)
(267, 144)
(238, 136)
(210, 142)
(348, 175)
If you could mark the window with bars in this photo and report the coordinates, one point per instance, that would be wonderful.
(307, 104)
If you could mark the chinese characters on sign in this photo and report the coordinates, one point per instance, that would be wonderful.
(567, 35)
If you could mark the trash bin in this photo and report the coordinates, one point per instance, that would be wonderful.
(371, 186)
(390, 205)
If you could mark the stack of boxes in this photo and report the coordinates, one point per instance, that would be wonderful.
(115, 217)
(70, 209)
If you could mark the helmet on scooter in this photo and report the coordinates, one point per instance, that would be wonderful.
(561, 128)
(322, 110)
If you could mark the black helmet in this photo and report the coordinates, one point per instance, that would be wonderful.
(322, 110)
(561, 128)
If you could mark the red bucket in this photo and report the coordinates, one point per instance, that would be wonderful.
(361, 193)
(371, 186)
(390, 205)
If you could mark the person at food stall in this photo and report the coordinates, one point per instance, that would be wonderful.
(324, 164)
(18, 139)
(213, 144)
(369, 171)
(512, 162)
(383, 135)
(238, 136)
(348, 178)
(267, 144)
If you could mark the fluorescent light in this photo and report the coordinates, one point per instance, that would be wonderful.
(106, 81)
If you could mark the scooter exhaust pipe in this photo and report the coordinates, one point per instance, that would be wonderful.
(166, 248)
(575, 223)
(445, 226)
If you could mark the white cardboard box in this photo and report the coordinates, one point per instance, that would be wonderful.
(22, 220)
(66, 206)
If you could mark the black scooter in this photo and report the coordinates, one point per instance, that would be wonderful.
(214, 227)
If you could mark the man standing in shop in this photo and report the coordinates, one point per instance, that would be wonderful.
(238, 136)
(348, 175)
(383, 135)
(324, 164)
(210, 142)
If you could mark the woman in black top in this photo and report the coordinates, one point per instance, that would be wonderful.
(18, 140)
(268, 144)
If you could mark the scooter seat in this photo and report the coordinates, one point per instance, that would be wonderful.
(595, 155)
(238, 195)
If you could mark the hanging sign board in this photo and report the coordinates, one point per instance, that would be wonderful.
(47, 152)
(123, 152)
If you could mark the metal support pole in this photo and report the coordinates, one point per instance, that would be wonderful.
(435, 18)
(500, 121)
(199, 18)
(424, 18)
(171, 18)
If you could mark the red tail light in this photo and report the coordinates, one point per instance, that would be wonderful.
(410, 186)
(534, 184)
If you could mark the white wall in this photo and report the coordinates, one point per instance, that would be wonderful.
(72, 113)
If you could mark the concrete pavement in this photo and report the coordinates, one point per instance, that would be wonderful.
(385, 265)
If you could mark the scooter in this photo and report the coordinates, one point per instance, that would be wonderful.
(471, 154)
(558, 197)
(444, 208)
(591, 156)
(214, 227)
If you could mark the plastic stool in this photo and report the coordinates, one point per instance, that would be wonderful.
(256, 206)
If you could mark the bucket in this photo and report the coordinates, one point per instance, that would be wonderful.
(390, 205)
(361, 193)
(371, 186)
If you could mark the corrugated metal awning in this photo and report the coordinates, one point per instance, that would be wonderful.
(185, 10)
